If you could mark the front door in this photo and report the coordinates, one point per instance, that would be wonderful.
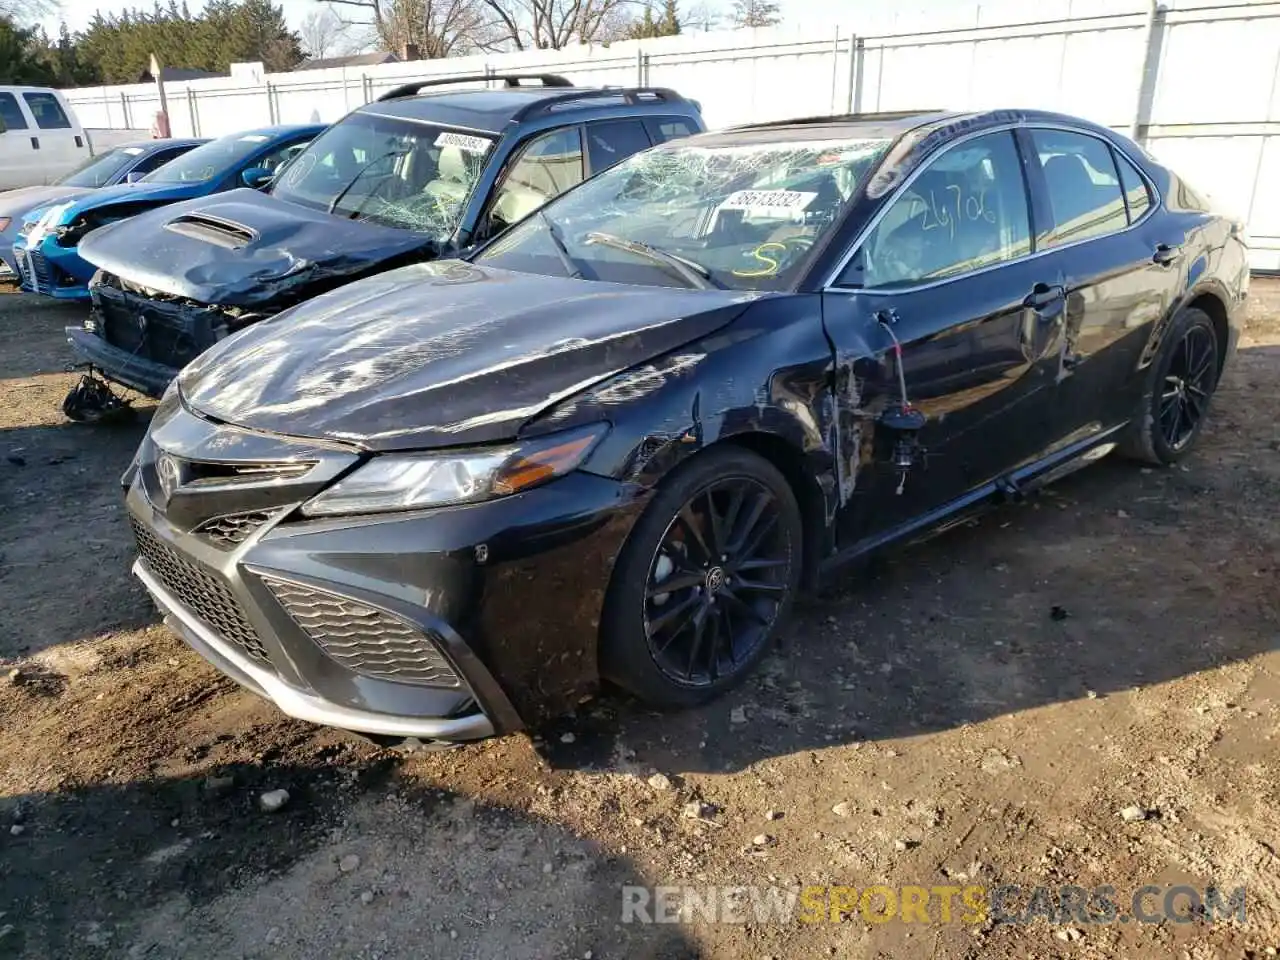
(946, 271)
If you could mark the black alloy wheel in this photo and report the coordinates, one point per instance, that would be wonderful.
(717, 581)
(1177, 390)
(1188, 383)
(707, 574)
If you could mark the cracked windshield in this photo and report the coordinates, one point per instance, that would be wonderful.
(733, 214)
(415, 176)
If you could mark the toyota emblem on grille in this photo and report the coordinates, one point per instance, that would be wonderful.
(169, 471)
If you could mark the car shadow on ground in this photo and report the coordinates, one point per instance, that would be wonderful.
(356, 863)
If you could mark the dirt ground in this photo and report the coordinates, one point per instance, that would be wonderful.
(931, 722)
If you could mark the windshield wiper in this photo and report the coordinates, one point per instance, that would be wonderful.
(333, 204)
(570, 265)
(694, 274)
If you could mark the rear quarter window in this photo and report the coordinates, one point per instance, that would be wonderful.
(662, 129)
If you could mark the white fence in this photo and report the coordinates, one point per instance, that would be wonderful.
(1197, 84)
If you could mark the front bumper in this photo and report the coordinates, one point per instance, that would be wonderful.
(51, 270)
(137, 373)
(508, 592)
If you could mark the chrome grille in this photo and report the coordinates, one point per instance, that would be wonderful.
(234, 529)
(204, 593)
(364, 640)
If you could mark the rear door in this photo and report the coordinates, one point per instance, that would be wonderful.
(1119, 265)
(947, 271)
(60, 143)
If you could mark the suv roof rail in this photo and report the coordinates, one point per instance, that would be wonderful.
(839, 118)
(632, 95)
(509, 80)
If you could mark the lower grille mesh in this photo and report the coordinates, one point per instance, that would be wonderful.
(204, 593)
(366, 641)
(234, 529)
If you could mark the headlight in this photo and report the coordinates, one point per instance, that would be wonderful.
(412, 481)
(4, 222)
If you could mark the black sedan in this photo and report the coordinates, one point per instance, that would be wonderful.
(444, 501)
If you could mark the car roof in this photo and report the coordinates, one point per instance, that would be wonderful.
(161, 143)
(943, 123)
(280, 130)
(491, 110)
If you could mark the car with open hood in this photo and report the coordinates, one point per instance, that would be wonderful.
(423, 171)
(612, 444)
(48, 248)
(125, 163)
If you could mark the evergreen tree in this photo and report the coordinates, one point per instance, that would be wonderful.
(21, 57)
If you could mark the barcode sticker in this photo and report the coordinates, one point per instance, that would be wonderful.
(463, 142)
(763, 201)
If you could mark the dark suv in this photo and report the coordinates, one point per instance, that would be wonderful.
(409, 177)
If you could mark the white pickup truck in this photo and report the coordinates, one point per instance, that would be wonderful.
(41, 139)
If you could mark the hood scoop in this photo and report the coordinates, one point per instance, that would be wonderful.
(223, 233)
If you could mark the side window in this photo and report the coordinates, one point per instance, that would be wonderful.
(11, 113)
(611, 141)
(158, 159)
(966, 209)
(546, 167)
(47, 111)
(1136, 196)
(662, 129)
(1084, 190)
(277, 158)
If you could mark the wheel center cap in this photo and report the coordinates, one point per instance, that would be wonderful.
(715, 579)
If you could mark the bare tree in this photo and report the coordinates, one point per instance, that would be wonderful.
(555, 24)
(438, 28)
(755, 13)
(26, 12)
(702, 17)
(323, 34)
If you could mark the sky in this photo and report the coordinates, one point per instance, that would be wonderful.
(78, 13)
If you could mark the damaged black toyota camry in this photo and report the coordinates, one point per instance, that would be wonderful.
(443, 502)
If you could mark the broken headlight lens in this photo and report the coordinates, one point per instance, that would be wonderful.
(413, 481)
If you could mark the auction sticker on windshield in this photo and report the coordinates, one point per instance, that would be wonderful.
(463, 142)
(764, 201)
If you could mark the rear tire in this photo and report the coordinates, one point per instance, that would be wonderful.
(709, 571)
(1175, 400)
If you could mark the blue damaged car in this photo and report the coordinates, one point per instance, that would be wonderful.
(47, 251)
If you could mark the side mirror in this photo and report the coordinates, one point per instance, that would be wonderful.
(133, 176)
(256, 177)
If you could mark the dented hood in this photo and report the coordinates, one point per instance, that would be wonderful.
(441, 354)
(242, 248)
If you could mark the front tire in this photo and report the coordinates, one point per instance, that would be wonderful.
(1180, 383)
(707, 574)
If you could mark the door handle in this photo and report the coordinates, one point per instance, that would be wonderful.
(1043, 296)
(1165, 254)
(35, 143)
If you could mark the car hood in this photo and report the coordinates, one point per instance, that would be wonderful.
(243, 248)
(15, 203)
(441, 354)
